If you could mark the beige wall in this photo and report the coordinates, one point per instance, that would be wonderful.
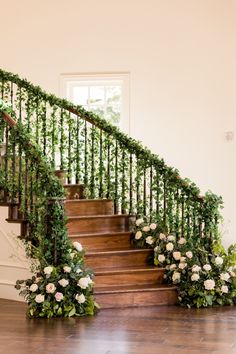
(181, 56)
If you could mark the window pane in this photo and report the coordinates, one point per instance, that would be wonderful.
(97, 95)
(113, 94)
(80, 95)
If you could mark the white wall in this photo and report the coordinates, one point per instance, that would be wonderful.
(181, 58)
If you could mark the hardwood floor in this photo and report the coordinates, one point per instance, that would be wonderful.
(148, 330)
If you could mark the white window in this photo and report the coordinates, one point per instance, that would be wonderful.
(104, 94)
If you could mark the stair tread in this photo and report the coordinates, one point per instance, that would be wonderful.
(97, 234)
(87, 200)
(133, 288)
(99, 216)
(127, 269)
(112, 251)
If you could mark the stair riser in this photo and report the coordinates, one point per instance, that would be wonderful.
(146, 277)
(104, 242)
(117, 260)
(135, 299)
(119, 224)
(84, 208)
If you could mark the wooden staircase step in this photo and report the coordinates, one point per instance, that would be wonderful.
(101, 241)
(86, 207)
(136, 295)
(118, 258)
(98, 223)
(74, 191)
(128, 276)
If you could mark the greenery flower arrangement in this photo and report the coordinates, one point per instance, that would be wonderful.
(64, 290)
(203, 277)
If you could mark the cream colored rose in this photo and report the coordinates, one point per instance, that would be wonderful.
(33, 288)
(138, 235)
(48, 270)
(67, 269)
(149, 240)
(50, 288)
(224, 289)
(189, 254)
(182, 265)
(146, 228)
(83, 283)
(153, 226)
(161, 258)
(209, 284)
(171, 238)
(63, 282)
(79, 271)
(39, 298)
(172, 266)
(219, 260)
(182, 259)
(162, 236)
(224, 276)
(139, 222)
(169, 246)
(80, 298)
(195, 277)
(207, 267)
(182, 241)
(156, 248)
(177, 255)
(196, 268)
(78, 246)
(176, 276)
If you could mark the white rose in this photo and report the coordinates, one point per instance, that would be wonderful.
(224, 276)
(161, 258)
(172, 266)
(139, 222)
(39, 298)
(78, 246)
(153, 226)
(146, 229)
(195, 277)
(63, 282)
(171, 238)
(33, 287)
(80, 298)
(48, 270)
(50, 288)
(149, 240)
(79, 271)
(177, 255)
(67, 269)
(207, 267)
(219, 261)
(176, 276)
(182, 265)
(182, 259)
(83, 283)
(189, 254)
(156, 248)
(89, 279)
(182, 241)
(209, 284)
(196, 268)
(162, 236)
(138, 235)
(72, 254)
(232, 274)
(224, 289)
(169, 246)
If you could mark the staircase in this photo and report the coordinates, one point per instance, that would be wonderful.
(123, 275)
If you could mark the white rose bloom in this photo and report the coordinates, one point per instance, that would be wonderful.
(79, 271)
(80, 298)
(232, 274)
(149, 240)
(207, 267)
(172, 266)
(139, 222)
(153, 226)
(162, 236)
(89, 279)
(63, 282)
(177, 255)
(67, 269)
(156, 248)
(72, 254)
(209, 284)
(196, 268)
(219, 261)
(33, 287)
(171, 238)
(182, 241)
(48, 270)
(189, 254)
(78, 246)
(224, 276)
(83, 283)
(195, 277)
(138, 235)
(50, 288)
(224, 289)
(182, 259)
(169, 246)
(176, 276)
(39, 298)
(146, 229)
(161, 258)
(182, 265)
